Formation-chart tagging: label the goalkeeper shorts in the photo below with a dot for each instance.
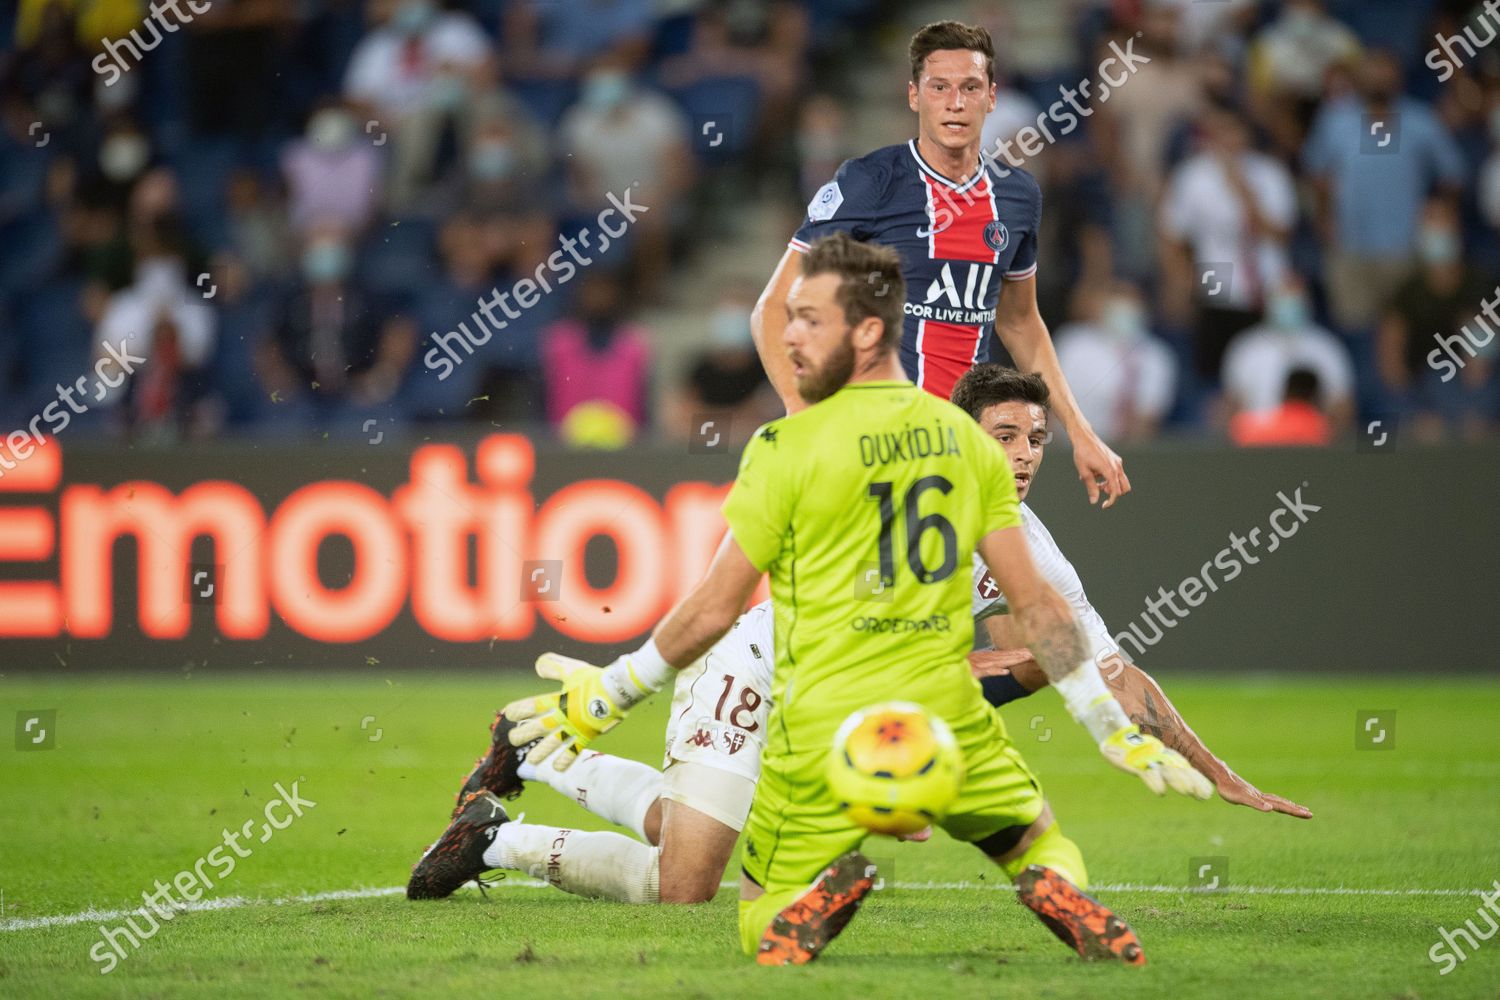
(796, 826)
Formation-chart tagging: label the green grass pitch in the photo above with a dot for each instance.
(145, 774)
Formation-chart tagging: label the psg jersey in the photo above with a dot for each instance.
(958, 242)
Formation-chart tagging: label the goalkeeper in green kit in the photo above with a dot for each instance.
(876, 475)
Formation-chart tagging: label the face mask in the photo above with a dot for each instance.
(330, 130)
(1124, 320)
(448, 91)
(729, 329)
(492, 161)
(1288, 312)
(116, 96)
(325, 262)
(606, 91)
(124, 156)
(1439, 246)
(413, 17)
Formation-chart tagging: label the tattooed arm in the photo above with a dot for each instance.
(1059, 646)
(1150, 708)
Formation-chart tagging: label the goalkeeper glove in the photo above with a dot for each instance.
(592, 702)
(1158, 766)
(1121, 741)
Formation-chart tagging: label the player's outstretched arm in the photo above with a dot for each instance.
(1059, 646)
(1150, 708)
(593, 700)
(768, 320)
(1024, 333)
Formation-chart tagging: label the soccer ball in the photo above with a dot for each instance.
(895, 768)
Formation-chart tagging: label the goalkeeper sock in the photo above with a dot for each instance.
(756, 915)
(612, 788)
(1052, 850)
(586, 863)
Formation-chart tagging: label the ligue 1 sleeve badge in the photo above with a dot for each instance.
(996, 236)
(826, 202)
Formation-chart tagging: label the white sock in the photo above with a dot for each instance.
(583, 862)
(612, 788)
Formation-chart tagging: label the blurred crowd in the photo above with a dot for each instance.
(1265, 234)
(1269, 230)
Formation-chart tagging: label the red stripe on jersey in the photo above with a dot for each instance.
(967, 214)
(947, 350)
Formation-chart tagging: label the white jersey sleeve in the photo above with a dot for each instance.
(987, 600)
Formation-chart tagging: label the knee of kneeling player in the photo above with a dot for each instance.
(697, 889)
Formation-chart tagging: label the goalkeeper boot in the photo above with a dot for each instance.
(802, 930)
(458, 855)
(1079, 921)
(498, 770)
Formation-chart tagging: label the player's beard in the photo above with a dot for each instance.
(823, 381)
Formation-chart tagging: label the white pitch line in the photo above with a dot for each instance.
(227, 903)
(92, 915)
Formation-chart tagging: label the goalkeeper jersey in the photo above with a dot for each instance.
(864, 509)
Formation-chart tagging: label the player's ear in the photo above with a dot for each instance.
(911, 94)
(868, 333)
(994, 91)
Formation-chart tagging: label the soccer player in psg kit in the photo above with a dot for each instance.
(966, 230)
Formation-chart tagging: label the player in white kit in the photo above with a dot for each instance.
(689, 814)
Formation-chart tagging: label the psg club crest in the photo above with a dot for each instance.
(996, 236)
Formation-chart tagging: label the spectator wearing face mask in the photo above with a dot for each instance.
(1125, 377)
(1374, 161)
(1260, 360)
(1440, 389)
(623, 137)
(330, 347)
(726, 385)
(125, 155)
(1298, 421)
(415, 75)
(332, 174)
(505, 169)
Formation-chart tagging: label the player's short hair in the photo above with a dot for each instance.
(982, 386)
(941, 35)
(870, 280)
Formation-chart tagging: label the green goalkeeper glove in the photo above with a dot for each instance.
(1133, 752)
(592, 701)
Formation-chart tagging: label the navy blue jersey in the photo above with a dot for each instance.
(958, 242)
